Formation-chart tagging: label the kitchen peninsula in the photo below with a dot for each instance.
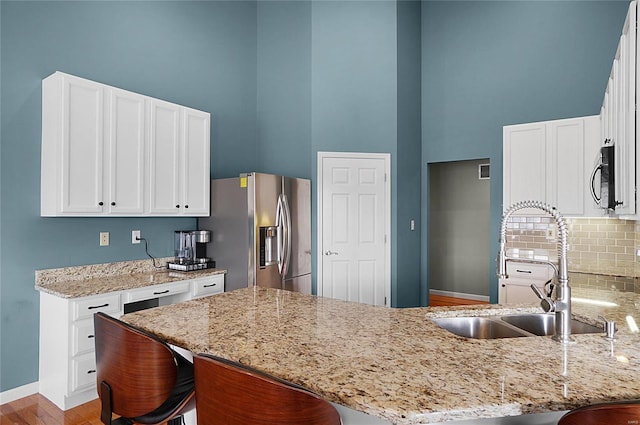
(398, 365)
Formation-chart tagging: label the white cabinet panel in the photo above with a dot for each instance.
(524, 163)
(516, 289)
(566, 156)
(83, 371)
(126, 152)
(551, 161)
(86, 307)
(157, 291)
(179, 160)
(164, 158)
(72, 146)
(107, 151)
(208, 286)
(517, 292)
(618, 117)
(83, 337)
(196, 166)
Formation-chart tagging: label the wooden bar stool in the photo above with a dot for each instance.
(228, 393)
(618, 413)
(140, 378)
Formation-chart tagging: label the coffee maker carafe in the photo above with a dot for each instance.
(190, 250)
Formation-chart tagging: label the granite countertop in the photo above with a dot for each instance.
(397, 364)
(82, 281)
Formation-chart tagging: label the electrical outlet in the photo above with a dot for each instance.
(104, 238)
(135, 236)
(551, 233)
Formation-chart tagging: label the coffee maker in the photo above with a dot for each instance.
(190, 250)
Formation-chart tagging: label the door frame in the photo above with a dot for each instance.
(387, 225)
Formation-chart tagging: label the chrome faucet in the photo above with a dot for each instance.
(561, 305)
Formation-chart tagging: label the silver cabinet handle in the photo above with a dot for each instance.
(330, 253)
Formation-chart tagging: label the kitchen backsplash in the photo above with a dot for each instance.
(601, 254)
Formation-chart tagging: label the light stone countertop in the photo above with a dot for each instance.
(397, 364)
(83, 281)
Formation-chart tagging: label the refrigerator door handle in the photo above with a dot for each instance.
(287, 240)
(280, 227)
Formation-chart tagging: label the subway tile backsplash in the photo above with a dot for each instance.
(601, 254)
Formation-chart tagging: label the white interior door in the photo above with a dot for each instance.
(353, 227)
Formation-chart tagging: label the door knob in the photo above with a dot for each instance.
(330, 253)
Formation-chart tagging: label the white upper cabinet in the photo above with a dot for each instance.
(164, 158)
(178, 160)
(551, 162)
(524, 166)
(195, 172)
(72, 146)
(126, 148)
(107, 151)
(618, 117)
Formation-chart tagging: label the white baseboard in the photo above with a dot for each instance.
(19, 392)
(459, 295)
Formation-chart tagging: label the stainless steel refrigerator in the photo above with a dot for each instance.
(261, 231)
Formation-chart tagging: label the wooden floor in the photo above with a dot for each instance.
(37, 410)
(441, 300)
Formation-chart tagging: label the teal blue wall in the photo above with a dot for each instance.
(486, 64)
(200, 54)
(406, 243)
(354, 83)
(284, 88)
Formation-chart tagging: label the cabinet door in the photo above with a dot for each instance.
(82, 147)
(196, 165)
(164, 158)
(625, 121)
(518, 292)
(524, 176)
(566, 159)
(126, 152)
(592, 142)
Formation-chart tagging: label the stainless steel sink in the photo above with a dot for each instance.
(478, 327)
(511, 326)
(544, 324)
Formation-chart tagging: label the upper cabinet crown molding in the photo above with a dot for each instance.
(111, 152)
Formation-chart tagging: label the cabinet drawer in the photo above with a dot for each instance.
(83, 337)
(83, 370)
(529, 271)
(158, 291)
(208, 286)
(85, 308)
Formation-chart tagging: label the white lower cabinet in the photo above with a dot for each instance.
(67, 359)
(175, 292)
(516, 289)
(67, 348)
(83, 372)
(206, 286)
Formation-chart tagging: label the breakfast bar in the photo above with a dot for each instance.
(397, 364)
